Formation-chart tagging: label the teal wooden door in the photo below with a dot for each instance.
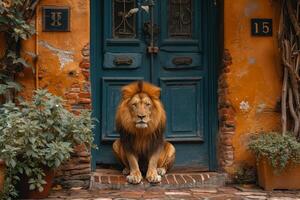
(181, 67)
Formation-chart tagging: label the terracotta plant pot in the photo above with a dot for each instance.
(289, 178)
(2, 174)
(25, 193)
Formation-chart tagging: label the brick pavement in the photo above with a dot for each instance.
(107, 184)
(156, 193)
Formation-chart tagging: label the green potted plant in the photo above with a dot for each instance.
(39, 136)
(278, 160)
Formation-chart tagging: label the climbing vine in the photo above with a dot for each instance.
(289, 43)
(15, 25)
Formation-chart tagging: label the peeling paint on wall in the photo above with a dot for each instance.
(242, 72)
(31, 54)
(64, 56)
(251, 60)
(244, 106)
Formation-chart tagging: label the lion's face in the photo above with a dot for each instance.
(140, 109)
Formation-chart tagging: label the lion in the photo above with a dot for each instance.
(141, 122)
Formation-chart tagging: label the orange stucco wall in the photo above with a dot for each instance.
(255, 74)
(58, 53)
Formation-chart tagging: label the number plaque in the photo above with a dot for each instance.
(56, 19)
(261, 27)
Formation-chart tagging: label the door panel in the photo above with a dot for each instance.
(184, 104)
(180, 68)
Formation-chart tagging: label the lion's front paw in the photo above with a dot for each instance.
(153, 177)
(134, 177)
(161, 171)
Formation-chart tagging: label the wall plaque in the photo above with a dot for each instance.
(261, 27)
(56, 19)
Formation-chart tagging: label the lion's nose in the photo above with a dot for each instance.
(141, 116)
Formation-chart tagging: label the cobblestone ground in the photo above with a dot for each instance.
(155, 193)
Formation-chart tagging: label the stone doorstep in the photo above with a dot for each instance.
(113, 179)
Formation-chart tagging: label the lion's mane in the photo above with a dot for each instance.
(141, 142)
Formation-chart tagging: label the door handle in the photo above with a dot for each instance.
(182, 60)
(123, 60)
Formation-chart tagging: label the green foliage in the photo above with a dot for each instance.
(15, 25)
(278, 149)
(13, 18)
(39, 134)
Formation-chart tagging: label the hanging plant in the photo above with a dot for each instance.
(15, 25)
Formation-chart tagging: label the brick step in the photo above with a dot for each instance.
(112, 179)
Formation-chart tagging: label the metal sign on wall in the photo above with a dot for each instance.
(56, 19)
(261, 27)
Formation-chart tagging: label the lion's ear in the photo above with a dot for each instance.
(156, 92)
(126, 92)
(152, 90)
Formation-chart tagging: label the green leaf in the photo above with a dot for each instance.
(14, 85)
(31, 180)
(41, 189)
(13, 163)
(32, 140)
(22, 61)
(31, 187)
(57, 163)
(27, 171)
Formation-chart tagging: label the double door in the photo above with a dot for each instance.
(170, 50)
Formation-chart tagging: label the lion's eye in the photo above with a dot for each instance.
(148, 104)
(134, 105)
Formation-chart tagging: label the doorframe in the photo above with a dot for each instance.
(213, 47)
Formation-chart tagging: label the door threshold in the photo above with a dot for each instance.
(113, 179)
(175, 169)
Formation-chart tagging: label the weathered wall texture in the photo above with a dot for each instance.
(61, 62)
(253, 76)
(58, 53)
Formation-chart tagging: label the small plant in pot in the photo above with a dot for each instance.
(39, 136)
(278, 159)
